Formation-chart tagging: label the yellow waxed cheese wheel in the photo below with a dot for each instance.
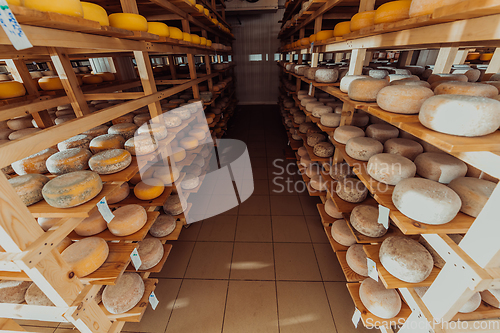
(110, 161)
(119, 194)
(105, 142)
(149, 189)
(124, 295)
(67, 7)
(158, 28)
(312, 38)
(203, 41)
(189, 143)
(94, 12)
(362, 20)
(195, 39)
(128, 21)
(72, 189)
(393, 11)
(50, 83)
(426, 7)
(29, 187)
(175, 33)
(200, 8)
(206, 12)
(11, 89)
(486, 56)
(304, 41)
(91, 225)
(209, 42)
(86, 256)
(68, 160)
(34, 163)
(128, 220)
(186, 37)
(92, 79)
(342, 28)
(15, 2)
(126, 130)
(106, 76)
(63, 245)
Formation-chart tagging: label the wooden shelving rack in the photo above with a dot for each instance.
(27, 252)
(453, 31)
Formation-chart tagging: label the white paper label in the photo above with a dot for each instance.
(288, 143)
(153, 300)
(12, 28)
(383, 216)
(312, 46)
(136, 260)
(356, 318)
(372, 269)
(103, 208)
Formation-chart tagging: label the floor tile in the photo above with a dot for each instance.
(285, 205)
(251, 307)
(303, 308)
(258, 162)
(254, 229)
(261, 187)
(290, 229)
(256, 152)
(316, 229)
(295, 262)
(259, 173)
(282, 185)
(252, 261)
(255, 205)
(199, 307)
(219, 228)
(308, 204)
(210, 260)
(328, 264)
(191, 232)
(177, 261)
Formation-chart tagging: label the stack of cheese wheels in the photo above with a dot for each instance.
(13, 291)
(366, 89)
(357, 259)
(72, 189)
(77, 141)
(163, 226)
(110, 161)
(345, 133)
(150, 251)
(126, 130)
(382, 132)
(340, 171)
(124, 295)
(383, 303)
(351, 190)
(149, 189)
(86, 256)
(362, 148)
(128, 220)
(119, 194)
(91, 225)
(34, 296)
(35, 163)
(175, 205)
(96, 131)
(342, 234)
(364, 219)
(466, 88)
(473, 192)
(404, 147)
(405, 99)
(69, 160)
(406, 259)
(390, 168)
(440, 167)
(29, 187)
(105, 142)
(441, 203)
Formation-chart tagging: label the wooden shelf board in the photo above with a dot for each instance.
(132, 199)
(158, 267)
(322, 84)
(174, 235)
(335, 246)
(350, 275)
(328, 130)
(390, 117)
(124, 175)
(459, 225)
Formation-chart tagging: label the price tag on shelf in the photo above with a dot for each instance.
(356, 317)
(310, 88)
(12, 28)
(136, 260)
(312, 46)
(383, 216)
(153, 300)
(372, 269)
(103, 208)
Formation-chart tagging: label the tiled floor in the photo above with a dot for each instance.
(265, 266)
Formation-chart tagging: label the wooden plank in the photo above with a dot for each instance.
(133, 200)
(158, 267)
(467, 9)
(349, 274)
(459, 225)
(335, 246)
(390, 117)
(362, 239)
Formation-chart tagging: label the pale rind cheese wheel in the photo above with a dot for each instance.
(175, 33)
(360, 120)
(393, 11)
(5, 133)
(110, 161)
(410, 82)
(69, 160)
(406, 259)
(128, 220)
(94, 12)
(20, 123)
(472, 74)
(124, 295)
(13, 292)
(315, 138)
(318, 183)
(357, 260)
(473, 192)
(97, 131)
(150, 251)
(351, 190)
(140, 145)
(174, 205)
(105, 142)
(178, 154)
(198, 134)
(323, 149)
(29, 187)
(440, 167)
(382, 302)
(426, 201)
(340, 171)
(492, 297)
(168, 175)
(302, 151)
(193, 169)
(364, 219)
(164, 225)
(50, 82)
(158, 28)
(435, 78)
(182, 112)
(330, 119)
(362, 20)
(326, 75)
(426, 7)
(342, 234)
(405, 99)
(466, 88)
(378, 73)
(47, 222)
(72, 189)
(345, 133)
(190, 182)
(86, 256)
(346, 81)
(11, 89)
(149, 189)
(390, 168)
(157, 131)
(312, 169)
(382, 132)
(366, 89)
(91, 225)
(34, 296)
(362, 148)
(119, 194)
(171, 120)
(67, 7)
(341, 29)
(404, 147)
(189, 143)
(128, 21)
(34, 163)
(472, 304)
(332, 210)
(126, 130)
(77, 141)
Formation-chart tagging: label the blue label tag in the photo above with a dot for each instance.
(12, 28)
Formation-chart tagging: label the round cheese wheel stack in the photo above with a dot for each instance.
(69, 160)
(366, 89)
(34, 163)
(119, 194)
(340, 171)
(440, 167)
(473, 192)
(382, 302)
(312, 169)
(86, 256)
(362, 20)
(426, 201)
(29, 187)
(342, 234)
(77, 141)
(22, 133)
(403, 99)
(140, 145)
(346, 81)
(390, 168)
(128, 220)
(332, 210)
(124, 295)
(323, 149)
(126, 130)
(345, 133)
(326, 75)
(20, 123)
(382, 132)
(174, 205)
(150, 251)
(404, 147)
(426, 7)
(317, 183)
(406, 259)
(105, 142)
(315, 138)
(302, 151)
(190, 182)
(110, 161)
(72, 189)
(357, 259)
(164, 225)
(351, 190)
(97, 131)
(364, 219)
(34, 296)
(91, 225)
(362, 148)
(126, 118)
(330, 119)
(149, 189)
(13, 292)
(492, 297)
(466, 88)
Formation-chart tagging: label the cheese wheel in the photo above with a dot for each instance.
(382, 302)
(366, 89)
(364, 219)
(199, 161)
(390, 168)
(47, 222)
(151, 252)
(492, 297)
(67, 7)
(312, 170)
(178, 154)
(97, 131)
(311, 105)
(330, 119)
(360, 120)
(34, 163)
(124, 295)
(171, 120)
(317, 183)
(345, 133)
(362, 20)
(186, 37)
(307, 99)
(168, 175)
(126, 118)
(326, 75)
(320, 110)
(435, 78)
(340, 171)
(86, 256)
(92, 79)
(34, 296)
(189, 143)
(346, 81)
(164, 225)
(193, 169)
(426, 7)
(174, 205)
(140, 145)
(351, 190)
(95, 12)
(323, 149)
(119, 194)
(63, 245)
(50, 82)
(392, 12)
(315, 138)
(77, 141)
(332, 210)
(342, 234)
(473, 75)
(439, 262)
(410, 82)
(158, 28)
(440, 167)
(466, 88)
(341, 29)
(472, 304)
(69, 160)
(11, 89)
(473, 192)
(126, 130)
(141, 119)
(378, 73)
(13, 291)
(357, 259)
(149, 189)
(91, 225)
(110, 161)
(106, 142)
(72, 189)
(302, 151)
(175, 33)
(29, 187)
(190, 182)
(20, 123)
(403, 147)
(182, 112)
(128, 220)
(405, 99)
(128, 21)
(362, 148)
(406, 259)
(382, 132)
(198, 134)
(426, 201)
